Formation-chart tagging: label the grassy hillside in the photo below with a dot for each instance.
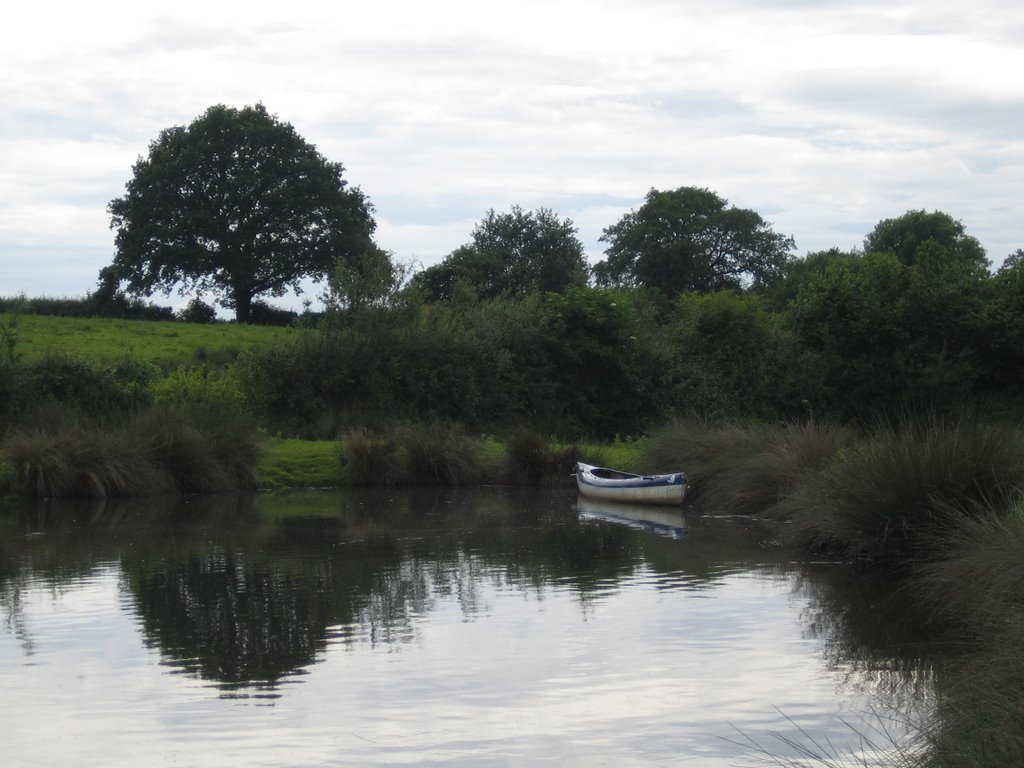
(167, 344)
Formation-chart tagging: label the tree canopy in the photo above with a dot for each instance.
(237, 204)
(691, 240)
(511, 254)
(905, 234)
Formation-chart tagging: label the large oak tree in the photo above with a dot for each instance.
(237, 204)
(691, 240)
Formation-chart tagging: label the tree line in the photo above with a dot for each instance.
(699, 309)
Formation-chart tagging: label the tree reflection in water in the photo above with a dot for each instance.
(246, 592)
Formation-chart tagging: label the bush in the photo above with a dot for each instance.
(198, 311)
(439, 454)
(157, 451)
(883, 499)
(531, 460)
(95, 389)
(261, 313)
(369, 460)
(434, 454)
(199, 389)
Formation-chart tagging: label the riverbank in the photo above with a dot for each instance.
(169, 451)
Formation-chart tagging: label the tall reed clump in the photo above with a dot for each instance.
(977, 576)
(433, 454)
(744, 468)
(368, 459)
(81, 463)
(155, 451)
(215, 453)
(530, 459)
(979, 718)
(883, 498)
(440, 454)
(977, 582)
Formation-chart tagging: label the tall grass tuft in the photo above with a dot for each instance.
(530, 459)
(371, 460)
(874, 743)
(977, 578)
(882, 499)
(695, 447)
(432, 454)
(200, 457)
(979, 722)
(157, 451)
(440, 454)
(748, 468)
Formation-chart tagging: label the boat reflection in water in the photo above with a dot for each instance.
(662, 520)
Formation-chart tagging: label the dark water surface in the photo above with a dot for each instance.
(488, 627)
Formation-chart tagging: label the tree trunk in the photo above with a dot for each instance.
(243, 306)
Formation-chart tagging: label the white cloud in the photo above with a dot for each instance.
(823, 117)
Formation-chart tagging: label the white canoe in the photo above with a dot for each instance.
(616, 485)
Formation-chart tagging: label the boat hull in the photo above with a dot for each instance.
(612, 485)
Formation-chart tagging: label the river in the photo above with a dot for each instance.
(482, 627)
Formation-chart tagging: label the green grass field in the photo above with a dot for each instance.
(167, 344)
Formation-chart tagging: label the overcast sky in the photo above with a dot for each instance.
(824, 117)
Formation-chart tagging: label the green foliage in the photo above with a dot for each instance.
(979, 720)
(156, 451)
(439, 454)
(200, 390)
(977, 577)
(885, 334)
(883, 499)
(371, 460)
(96, 389)
(839, 336)
(236, 204)
(600, 381)
(904, 236)
(198, 311)
(511, 254)
(726, 355)
(12, 389)
(690, 239)
(797, 273)
(95, 304)
(370, 280)
(433, 454)
(743, 467)
(531, 459)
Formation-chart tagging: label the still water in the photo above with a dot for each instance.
(488, 627)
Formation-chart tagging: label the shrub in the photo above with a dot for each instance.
(261, 313)
(439, 454)
(883, 499)
(433, 454)
(79, 463)
(369, 460)
(95, 389)
(978, 575)
(531, 460)
(157, 451)
(198, 311)
(198, 388)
